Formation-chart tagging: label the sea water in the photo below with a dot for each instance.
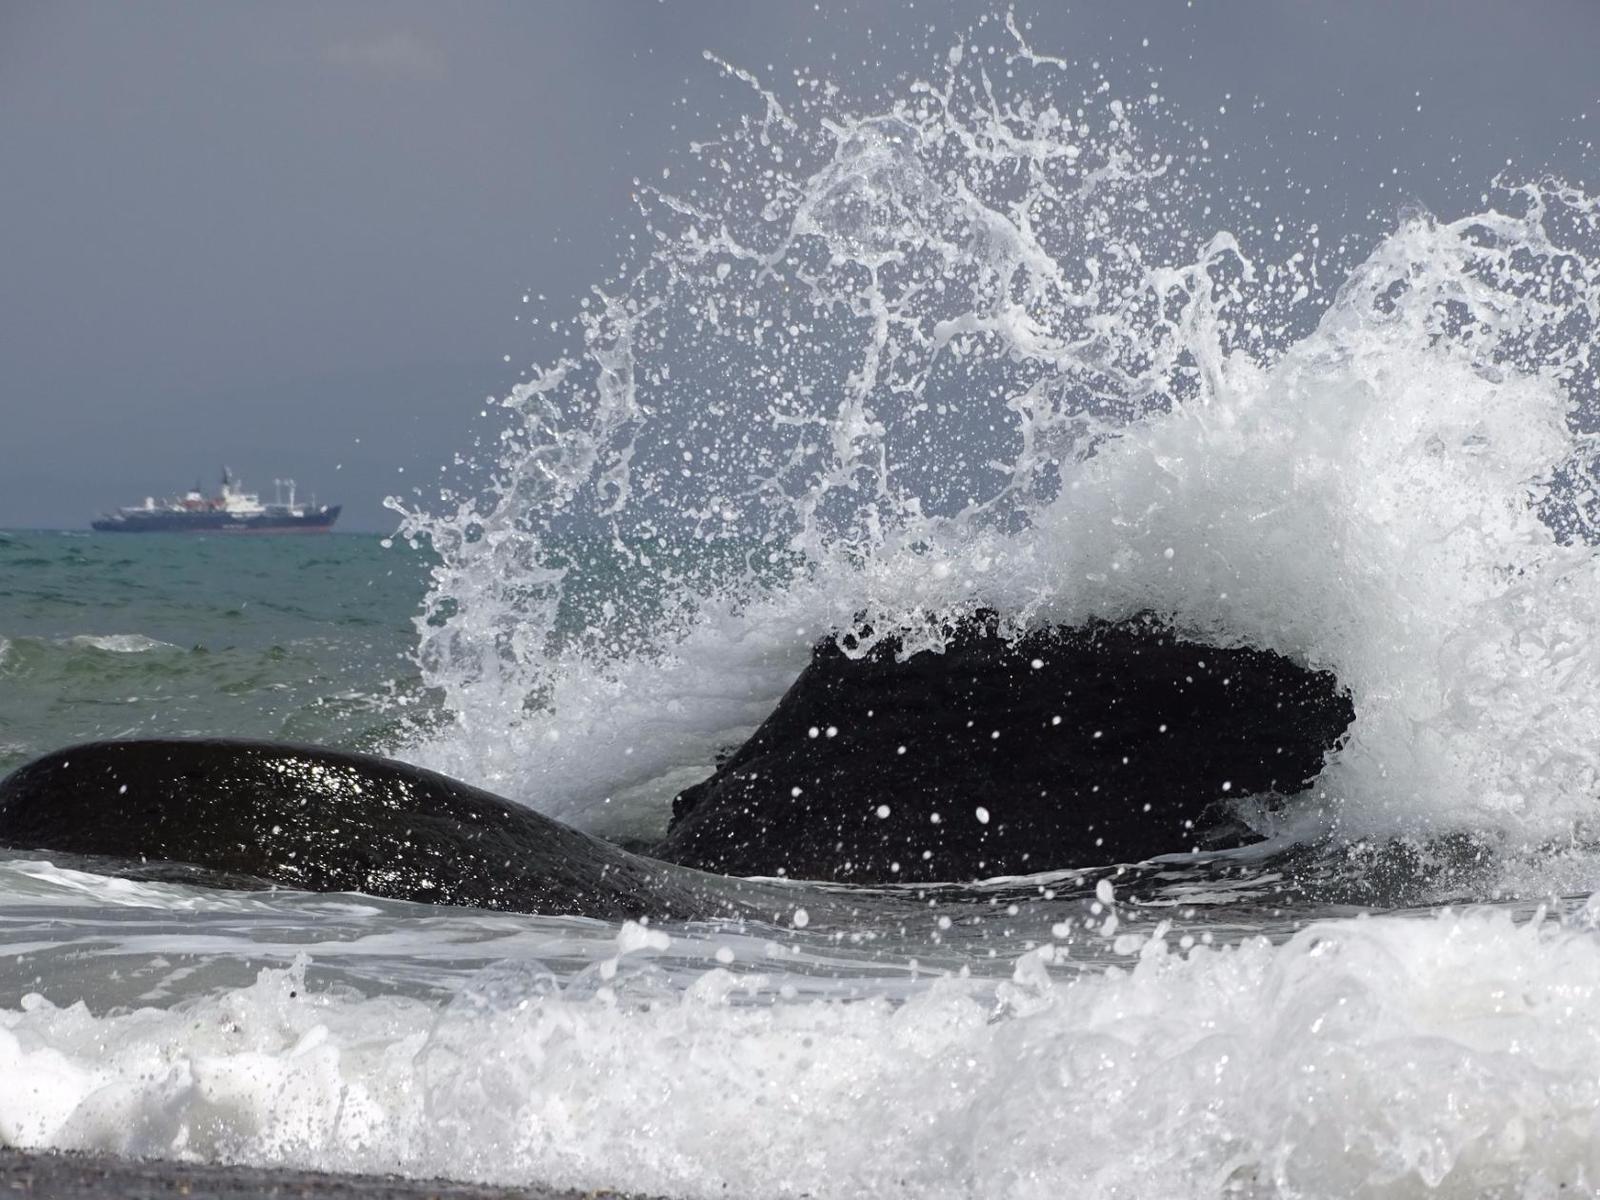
(1007, 341)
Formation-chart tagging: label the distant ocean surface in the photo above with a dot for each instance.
(126, 635)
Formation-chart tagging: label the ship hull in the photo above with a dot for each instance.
(217, 522)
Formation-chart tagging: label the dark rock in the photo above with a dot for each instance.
(71, 1175)
(330, 821)
(1068, 747)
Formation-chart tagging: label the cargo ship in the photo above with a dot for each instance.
(231, 510)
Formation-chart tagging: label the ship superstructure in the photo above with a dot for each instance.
(231, 510)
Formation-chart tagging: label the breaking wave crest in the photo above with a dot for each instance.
(992, 346)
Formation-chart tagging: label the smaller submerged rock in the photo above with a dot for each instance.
(1067, 747)
(332, 821)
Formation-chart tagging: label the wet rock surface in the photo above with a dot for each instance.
(66, 1176)
(1067, 747)
(331, 821)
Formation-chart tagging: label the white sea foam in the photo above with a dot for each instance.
(119, 643)
(1453, 1056)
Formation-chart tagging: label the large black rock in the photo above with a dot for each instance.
(331, 821)
(1068, 747)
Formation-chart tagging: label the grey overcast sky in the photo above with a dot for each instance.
(293, 237)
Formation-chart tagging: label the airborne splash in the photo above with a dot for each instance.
(989, 348)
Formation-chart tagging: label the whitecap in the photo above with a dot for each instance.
(119, 643)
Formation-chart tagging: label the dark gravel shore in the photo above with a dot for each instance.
(96, 1177)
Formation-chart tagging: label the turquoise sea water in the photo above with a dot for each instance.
(106, 635)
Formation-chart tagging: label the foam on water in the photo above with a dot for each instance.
(1446, 1056)
(120, 643)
